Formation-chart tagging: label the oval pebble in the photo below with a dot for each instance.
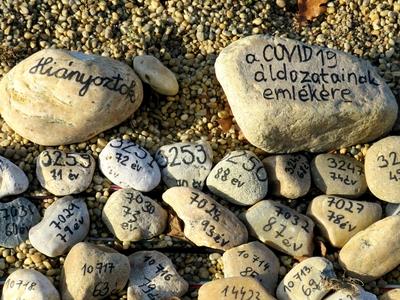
(129, 165)
(131, 216)
(185, 164)
(354, 292)
(340, 175)
(239, 177)
(13, 179)
(280, 227)
(64, 173)
(339, 219)
(207, 223)
(391, 295)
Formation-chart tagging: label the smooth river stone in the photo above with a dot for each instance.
(233, 288)
(64, 173)
(28, 285)
(57, 97)
(382, 169)
(207, 223)
(131, 216)
(93, 272)
(339, 219)
(13, 180)
(355, 292)
(391, 295)
(373, 252)
(129, 165)
(155, 74)
(340, 175)
(239, 177)
(287, 96)
(253, 259)
(65, 223)
(185, 164)
(392, 209)
(153, 276)
(288, 175)
(307, 280)
(280, 227)
(16, 218)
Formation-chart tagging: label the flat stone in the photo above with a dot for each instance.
(155, 74)
(340, 175)
(131, 216)
(28, 284)
(232, 288)
(354, 292)
(288, 175)
(57, 97)
(207, 223)
(16, 218)
(129, 165)
(153, 276)
(239, 177)
(373, 252)
(392, 209)
(185, 164)
(391, 295)
(64, 173)
(280, 227)
(339, 219)
(93, 272)
(382, 169)
(287, 96)
(307, 280)
(255, 260)
(65, 223)
(13, 180)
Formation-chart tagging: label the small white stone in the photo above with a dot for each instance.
(129, 165)
(13, 179)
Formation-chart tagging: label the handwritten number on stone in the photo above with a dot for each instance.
(200, 149)
(118, 143)
(57, 161)
(72, 157)
(385, 163)
(49, 161)
(183, 149)
(173, 162)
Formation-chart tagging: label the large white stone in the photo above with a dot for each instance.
(13, 180)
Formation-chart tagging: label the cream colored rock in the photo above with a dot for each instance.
(373, 252)
(57, 97)
(233, 288)
(153, 276)
(13, 180)
(207, 223)
(354, 292)
(287, 96)
(154, 73)
(131, 216)
(280, 227)
(64, 173)
(391, 295)
(288, 175)
(25, 284)
(307, 280)
(339, 219)
(93, 272)
(253, 259)
(382, 169)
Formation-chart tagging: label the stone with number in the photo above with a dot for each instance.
(129, 165)
(288, 175)
(207, 223)
(373, 252)
(234, 288)
(287, 96)
(65, 223)
(64, 173)
(339, 219)
(28, 284)
(392, 209)
(131, 216)
(391, 295)
(153, 276)
(185, 164)
(16, 218)
(239, 177)
(93, 272)
(309, 280)
(340, 175)
(280, 227)
(353, 292)
(382, 169)
(13, 180)
(252, 259)
(57, 97)
(154, 73)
